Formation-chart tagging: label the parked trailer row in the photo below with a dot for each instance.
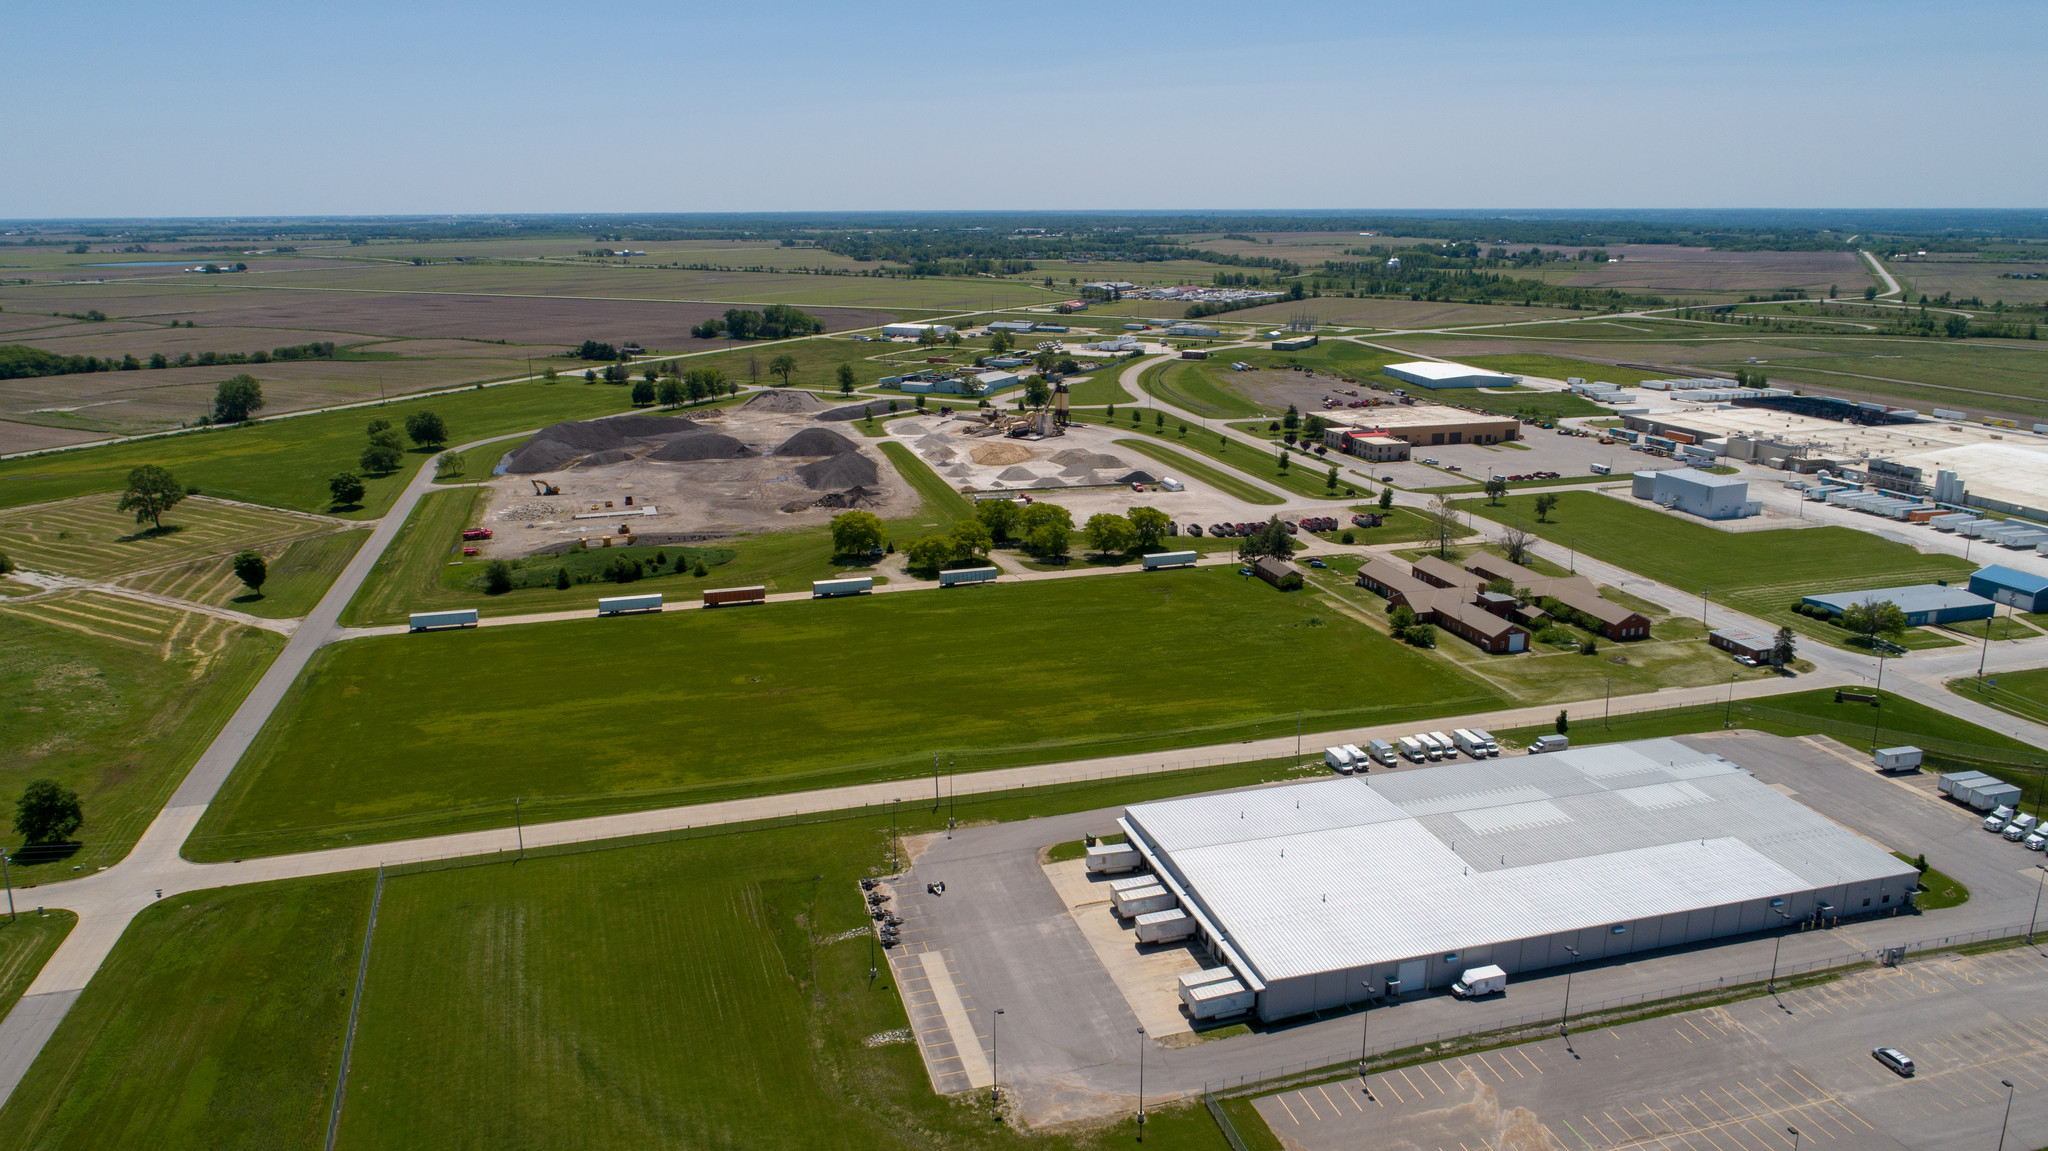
(615, 605)
(967, 575)
(1165, 926)
(1110, 858)
(1142, 901)
(1978, 790)
(850, 585)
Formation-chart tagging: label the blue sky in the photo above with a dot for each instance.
(371, 107)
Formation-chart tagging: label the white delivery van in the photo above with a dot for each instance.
(1358, 760)
(1479, 981)
(1337, 759)
(1469, 743)
(1486, 737)
(1413, 749)
(1381, 750)
(1444, 741)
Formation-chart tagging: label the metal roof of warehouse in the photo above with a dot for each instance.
(1370, 870)
(1911, 600)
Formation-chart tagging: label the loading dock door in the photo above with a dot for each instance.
(1411, 975)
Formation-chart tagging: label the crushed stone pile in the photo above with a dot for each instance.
(701, 446)
(607, 456)
(847, 470)
(854, 497)
(535, 510)
(783, 401)
(558, 445)
(1078, 471)
(854, 411)
(1000, 454)
(1138, 478)
(1018, 474)
(1081, 457)
(815, 442)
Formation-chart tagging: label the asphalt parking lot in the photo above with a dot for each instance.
(1068, 1038)
(1728, 1078)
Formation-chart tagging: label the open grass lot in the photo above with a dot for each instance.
(1390, 313)
(216, 1023)
(780, 697)
(1191, 386)
(1760, 573)
(26, 943)
(1223, 481)
(1964, 275)
(287, 463)
(299, 574)
(115, 699)
(2023, 693)
(1305, 474)
(87, 537)
(705, 991)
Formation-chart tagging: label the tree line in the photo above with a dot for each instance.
(775, 322)
(19, 361)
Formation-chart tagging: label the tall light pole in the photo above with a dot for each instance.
(1565, 1019)
(1794, 1133)
(519, 827)
(1878, 709)
(1728, 715)
(1365, 1035)
(1705, 590)
(994, 1066)
(2031, 919)
(935, 781)
(4, 873)
(1772, 986)
(1141, 1084)
(2007, 1121)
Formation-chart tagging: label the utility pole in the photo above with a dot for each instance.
(1564, 1021)
(1728, 714)
(519, 827)
(2031, 919)
(1879, 708)
(10, 885)
(1365, 1036)
(2007, 1121)
(995, 1081)
(935, 781)
(1297, 746)
(1772, 986)
(1705, 590)
(1609, 713)
(1141, 1084)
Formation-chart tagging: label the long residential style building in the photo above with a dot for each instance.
(1455, 598)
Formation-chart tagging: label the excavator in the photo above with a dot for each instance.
(544, 489)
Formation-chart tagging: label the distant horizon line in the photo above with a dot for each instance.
(1521, 213)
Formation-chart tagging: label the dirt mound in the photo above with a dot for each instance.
(1138, 478)
(815, 442)
(701, 446)
(853, 411)
(939, 455)
(1081, 457)
(600, 459)
(854, 497)
(996, 455)
(850, 470)
(1018, 474)
(559, 444)
(783, 402)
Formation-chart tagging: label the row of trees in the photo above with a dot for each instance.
(19, 361)
(776, 322)
(1041, 529)
(386, 452)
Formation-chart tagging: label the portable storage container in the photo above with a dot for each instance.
(1206, 977)
(1219, 1000)
(1142, 901)
(1165, 926)
(1169, 560)
(1898, 758)
(967, 575)
(723, 596)
(422, 620)
(613, 605)
(850, 585)
(1111, 858)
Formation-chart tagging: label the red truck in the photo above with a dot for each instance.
(476, 534)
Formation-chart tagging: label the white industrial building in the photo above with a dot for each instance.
(1433, 374)
(1318, 894)
(913, 331)
(1707, 496)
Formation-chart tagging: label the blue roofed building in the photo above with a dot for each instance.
(2025, 591)
(1928, 603)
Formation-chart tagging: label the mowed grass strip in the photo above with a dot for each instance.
(1760, 573)
(300, 572)
(216, 1023)
(88, 537)
(2022, 693)
(1217, 478)
(286, 463)
(401, 735)
(115, 699)
(26, 943)
(1305, 474)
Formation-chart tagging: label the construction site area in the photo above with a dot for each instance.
(769, 464)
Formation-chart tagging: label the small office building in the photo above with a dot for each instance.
(1699, 493)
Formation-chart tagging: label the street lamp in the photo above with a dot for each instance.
(994, 1087)
(2031, 919)
(1772, 986)
(2003, 1123)
(1794, 1133)
(1728, 714)
(1566, 1017)
(1141, 1084)
(1365, 1034)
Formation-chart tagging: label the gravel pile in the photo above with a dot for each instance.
(1081, 457)
(783, 402)
(1018, 474)
(537, 510)
(1138, 478)
(701, 446)
(854, 411)
(559, 445)
(815, 442)
(833, 473)
(600, 459)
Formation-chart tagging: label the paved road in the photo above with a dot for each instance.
(107, 901)
(1891, 286)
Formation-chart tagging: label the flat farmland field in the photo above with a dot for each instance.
(765, 687)
(1396, 313)
(1966, 276)
(88, 537)
(115, 698)
(1668, 268)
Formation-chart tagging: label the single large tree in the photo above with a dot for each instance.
(1516, 540)
(1874, 618)
(47, 812)
(236, 399)
(346, 488)
(1443, 523)
(999, 516)
(1784, 648)
(1544, 503)
(426, 429)
(152, 491)
(783, 365)
(970, 539)
(251, 570)
(382, 459)
(1148, 526)
(856, 533)
(1496, 487)
(1109, 534)
(845, 377)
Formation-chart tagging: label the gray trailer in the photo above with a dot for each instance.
(959, 576)
(848, 585)
(1897, 758)
(1142, 901)
(422, 620)
(1165, 926)
(1110, 858)
(1219, 1000)
(1169, 560)
(1980, 791)
(613, 605)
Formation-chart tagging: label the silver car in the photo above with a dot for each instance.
(1895, 1059)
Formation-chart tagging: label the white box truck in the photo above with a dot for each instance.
(1469, 742)
(1549, 743)
(1165, 926)
(1492, 745)
(1898, 758)
(1413, 749)
(1479, 981)
(1358, 760)
(615, 605)
(1382, 751)
(1444, 744)
(1338, 760)
(1219, 1000)
(1142, 901)
(1110, 858)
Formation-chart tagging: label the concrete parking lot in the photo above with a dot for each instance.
(1735, 1077)
(1541, 450)
(1069, 1037)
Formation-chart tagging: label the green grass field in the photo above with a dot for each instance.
(26, 943)
(1186, 384)
(702, 991)
(300, 573)
(1305, 474)
(2022, 693)
(1229, 483)
(87, 537)
(1560, 368)
(287, 462)
(1760, 573)
(115, 699)
(692, 706)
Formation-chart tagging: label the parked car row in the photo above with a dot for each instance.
(2025, 830)
(1533, 476)
(1319, 523)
